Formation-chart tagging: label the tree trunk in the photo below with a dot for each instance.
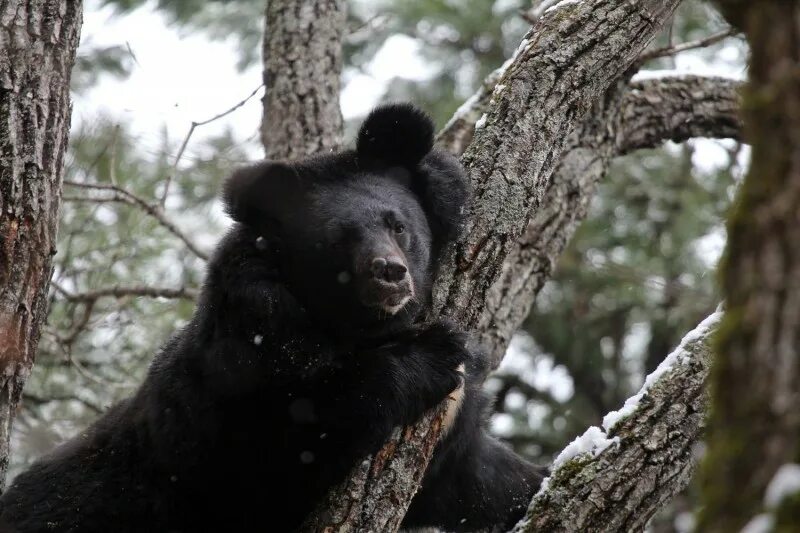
(37, 49)
(755, 428)
(617, 477)
(302, 67)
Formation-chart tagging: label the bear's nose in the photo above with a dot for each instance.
(390, 269)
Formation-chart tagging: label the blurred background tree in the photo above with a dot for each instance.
(637, 276)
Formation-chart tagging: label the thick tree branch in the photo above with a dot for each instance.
(460, 129)
(530, 263)
(676, 109)
(617, 477)
(567, 62)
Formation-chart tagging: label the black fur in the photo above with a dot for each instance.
(395, 135)
(292, 370)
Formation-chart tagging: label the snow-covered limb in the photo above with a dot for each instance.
(537, 9)
(678, 356)
(615, 481)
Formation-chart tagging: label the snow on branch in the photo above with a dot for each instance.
(616, 477)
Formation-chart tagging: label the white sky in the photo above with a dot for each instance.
(177, 79)
(180, 77)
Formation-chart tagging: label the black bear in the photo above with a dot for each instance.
(309, 344)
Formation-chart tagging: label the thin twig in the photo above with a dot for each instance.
(690, 45)
(671, 33)
(76, 329)
(118, 194)
(97, 378)
(66, 344)
(30, 398)
(112, 161)
(366, 26)
(185, 142)
(130, 51)
(122, 292)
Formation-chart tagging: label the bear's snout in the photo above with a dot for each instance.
(390, 269)
(386, 283)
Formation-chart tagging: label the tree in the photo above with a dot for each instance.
(555, 117)
(39, 43)
(755, 423)
(510, 160)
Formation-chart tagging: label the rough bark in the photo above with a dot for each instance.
(677, 109)
(631, 116)
(302, 66)
(457, 134)
(375, 498)
(568, 60)
(531, 261)
(566, 63)
(650, 455)
(755, 426)
(37, 49)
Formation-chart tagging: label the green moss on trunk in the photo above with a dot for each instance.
(748, 438)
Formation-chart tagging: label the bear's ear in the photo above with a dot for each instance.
(266, 191)
(395, 135)
(443, 188)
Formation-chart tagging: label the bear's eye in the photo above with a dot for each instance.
(399, 227)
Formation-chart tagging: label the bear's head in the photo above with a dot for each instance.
(359, 233)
